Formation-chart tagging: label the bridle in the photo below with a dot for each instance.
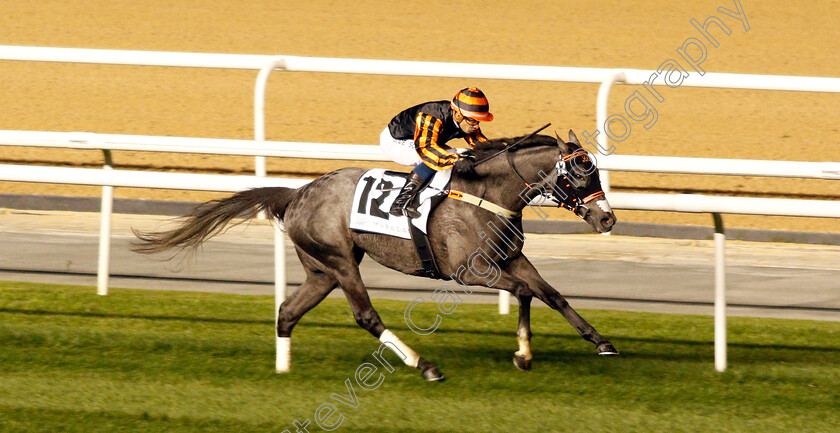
(562, 169)
(578, 207)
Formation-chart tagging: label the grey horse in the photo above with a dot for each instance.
(473, 245)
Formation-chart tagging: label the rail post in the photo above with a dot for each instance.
(720, 294)
(105, 212)
(504, 302)
(259, 108)
(282, 360)
(283, 345)
(601, 120)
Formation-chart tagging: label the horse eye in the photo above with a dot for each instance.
(584, 164)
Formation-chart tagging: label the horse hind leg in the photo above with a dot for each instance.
(366, 316)
(316, 287)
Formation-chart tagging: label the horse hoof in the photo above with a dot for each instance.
(606, 349)
(429, 371)
(432, 374)
(521, 363)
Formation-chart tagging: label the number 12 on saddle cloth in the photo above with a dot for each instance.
(376, 191)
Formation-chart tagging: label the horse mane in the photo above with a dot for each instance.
(486, 148)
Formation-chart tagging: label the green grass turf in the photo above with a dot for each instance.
(146, 361)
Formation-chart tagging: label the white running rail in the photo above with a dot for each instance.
(267, 63)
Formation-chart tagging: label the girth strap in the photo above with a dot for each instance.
(484, 204)
(424, 251)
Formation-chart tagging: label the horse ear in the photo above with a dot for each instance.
(573, 138)
(564, 147)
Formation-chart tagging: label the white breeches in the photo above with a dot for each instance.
(399, 151)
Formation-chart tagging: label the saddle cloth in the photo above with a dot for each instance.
(376, 191)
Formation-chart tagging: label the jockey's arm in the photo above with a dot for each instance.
(426, 136)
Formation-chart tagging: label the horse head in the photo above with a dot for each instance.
(577, 185)
(554, 169)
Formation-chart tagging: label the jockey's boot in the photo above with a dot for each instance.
(405, 204)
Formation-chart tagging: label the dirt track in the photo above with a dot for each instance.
(797, 38)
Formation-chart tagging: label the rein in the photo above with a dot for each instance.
(492, 207)
(513, 146)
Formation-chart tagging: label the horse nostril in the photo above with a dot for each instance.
(607, 222)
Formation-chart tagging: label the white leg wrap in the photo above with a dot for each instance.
(284, 354)
(411, 357)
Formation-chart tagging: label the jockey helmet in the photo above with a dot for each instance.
(472, 103)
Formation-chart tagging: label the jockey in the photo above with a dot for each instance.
(418, 137)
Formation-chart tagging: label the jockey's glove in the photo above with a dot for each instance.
(465, 165)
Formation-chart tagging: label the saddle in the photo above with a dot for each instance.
(376, 191)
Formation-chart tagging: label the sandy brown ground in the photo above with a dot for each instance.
(788, 38)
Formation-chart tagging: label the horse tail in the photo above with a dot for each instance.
(211, 218)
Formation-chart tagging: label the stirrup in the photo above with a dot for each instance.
(410, 210)
(405, 210)
(397, 209)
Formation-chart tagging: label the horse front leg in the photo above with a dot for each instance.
(521, 268)
(522, 358)
(519, 288)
